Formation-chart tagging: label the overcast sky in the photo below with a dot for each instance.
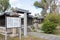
(26, 4)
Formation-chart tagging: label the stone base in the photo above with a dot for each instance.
(13, 35)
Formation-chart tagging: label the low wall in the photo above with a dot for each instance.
(2, 30)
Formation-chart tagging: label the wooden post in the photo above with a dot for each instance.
(5, 33)
(25, 24)
(5, 28)
(13, 32)
(20, 30)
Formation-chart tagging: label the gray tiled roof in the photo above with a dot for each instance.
(16, 10)
(22, 10)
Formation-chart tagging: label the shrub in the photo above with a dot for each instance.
(32, 27)
(49, 27)
(53, 17)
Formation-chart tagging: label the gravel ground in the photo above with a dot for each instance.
(45, 36)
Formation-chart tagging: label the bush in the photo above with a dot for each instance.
(33, 27)
(53, 17)
(49, 27)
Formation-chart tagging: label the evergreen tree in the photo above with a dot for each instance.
(4, 5)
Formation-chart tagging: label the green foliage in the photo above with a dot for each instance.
(37, 4)
(4, 4)
(34, 30)
(44, 4)
(49, 27)
(32, 27)
(53, 17)
(50, 22)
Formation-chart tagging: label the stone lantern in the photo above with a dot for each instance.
(35, 22)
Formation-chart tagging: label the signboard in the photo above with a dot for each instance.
(13, 22)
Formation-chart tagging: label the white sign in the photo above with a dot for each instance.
(13, 22)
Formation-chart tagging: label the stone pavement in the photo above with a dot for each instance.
(46, 36)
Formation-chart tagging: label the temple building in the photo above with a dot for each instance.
(16, 13)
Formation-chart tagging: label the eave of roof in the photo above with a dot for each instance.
(22, 11)
(17, 10)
